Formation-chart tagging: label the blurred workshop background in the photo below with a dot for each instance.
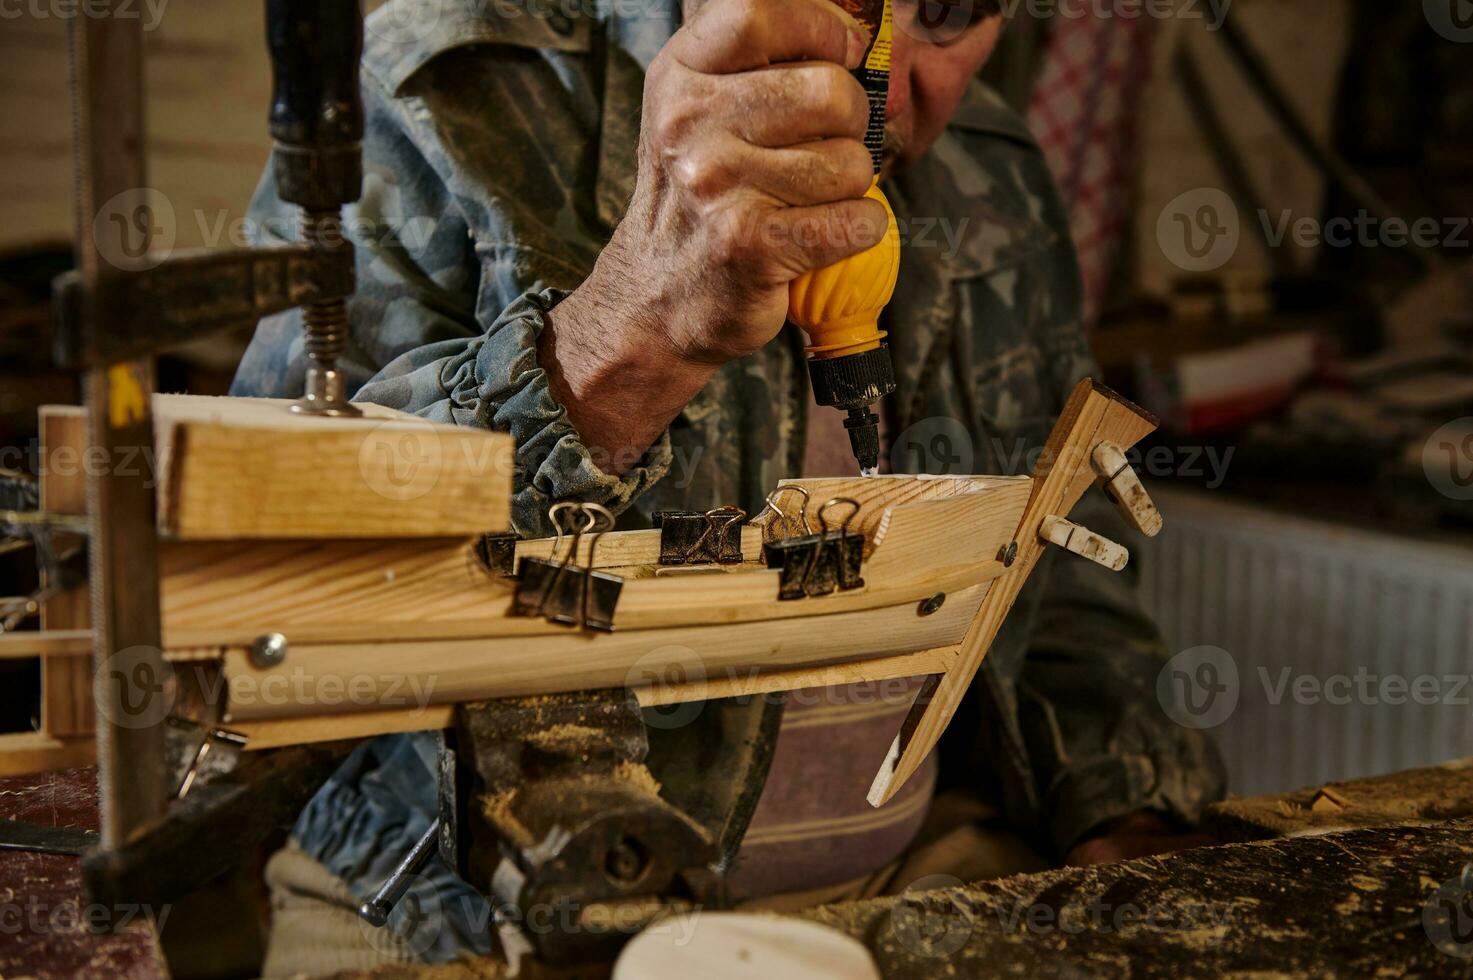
(1271, 200)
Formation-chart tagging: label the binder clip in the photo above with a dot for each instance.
(818, 564)
(560, 590)
(689, 537)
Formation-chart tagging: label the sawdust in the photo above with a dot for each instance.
(565, 732)
(497, 808)
(638, 774)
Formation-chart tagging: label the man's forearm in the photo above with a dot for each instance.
(621, 387)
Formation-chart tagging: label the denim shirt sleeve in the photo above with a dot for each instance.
(452, 293)
(493, 380)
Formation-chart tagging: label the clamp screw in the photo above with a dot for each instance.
(928, 606)
(626, 861)
(1008, 555)
(268, 650)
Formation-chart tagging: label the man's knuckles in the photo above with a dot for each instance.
(708, 172)
(835, 96)
(736, 35)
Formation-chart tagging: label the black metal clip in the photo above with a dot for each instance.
(496, 553)
(689, 537)
(561, 591)
(817, 564)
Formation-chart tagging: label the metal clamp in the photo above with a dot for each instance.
(778, 514)
(818, 564)
(689, 537)
(585, 598)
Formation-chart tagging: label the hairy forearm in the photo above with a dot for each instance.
(621, 382)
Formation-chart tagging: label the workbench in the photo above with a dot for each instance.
(43, 928)
(1319, 902)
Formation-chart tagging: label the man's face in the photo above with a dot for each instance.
(938, 46)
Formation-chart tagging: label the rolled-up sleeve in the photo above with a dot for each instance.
(495, 381)
(450, 300)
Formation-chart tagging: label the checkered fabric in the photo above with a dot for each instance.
(1084, 113)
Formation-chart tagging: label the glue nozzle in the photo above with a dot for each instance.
(864, 439)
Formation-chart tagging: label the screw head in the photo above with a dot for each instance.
(1008, 555)
(928, 606)
(268, 650)
(626, 861)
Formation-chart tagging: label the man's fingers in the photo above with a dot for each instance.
(739, 35)
(793, 103)
(798, 240)
(822, 172)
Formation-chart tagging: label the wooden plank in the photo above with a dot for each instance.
(227, 594)
(248, 468)
(621, 548)
(1092, 415)
(47, 644)
(278, 732)
(343, 677)
(27, 752)
(66, 682)
(738, 683)
(876, 494)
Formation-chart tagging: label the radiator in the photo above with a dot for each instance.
(1313, 614)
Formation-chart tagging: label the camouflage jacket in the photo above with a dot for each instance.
(501, 153)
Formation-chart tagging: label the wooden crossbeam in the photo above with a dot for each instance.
(248, 468)
(1092, 415)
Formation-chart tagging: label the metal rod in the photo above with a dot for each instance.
(107, 94)
(376, 910)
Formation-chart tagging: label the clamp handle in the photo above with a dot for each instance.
(316, 115)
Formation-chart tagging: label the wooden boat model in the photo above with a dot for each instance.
(336, 590)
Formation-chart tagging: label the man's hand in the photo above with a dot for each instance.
(1134, 835)
(752, 171)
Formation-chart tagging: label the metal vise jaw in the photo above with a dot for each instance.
(547, 807)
